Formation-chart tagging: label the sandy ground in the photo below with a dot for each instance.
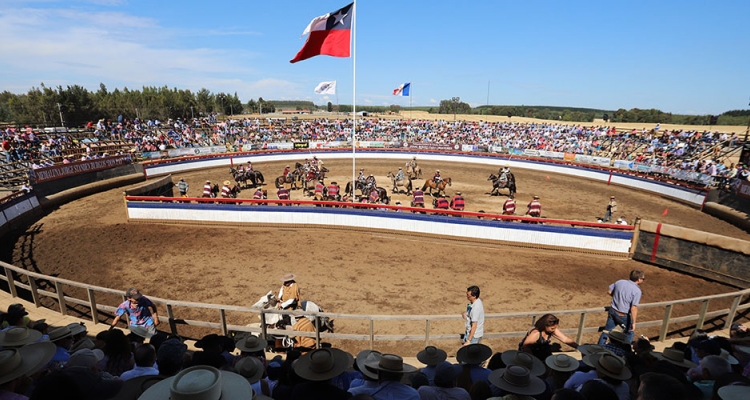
(90, 240)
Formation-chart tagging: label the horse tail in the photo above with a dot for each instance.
(280, 182)
(259, 175)
(424, 187)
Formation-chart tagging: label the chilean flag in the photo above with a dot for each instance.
(330, 35)
(402, 90)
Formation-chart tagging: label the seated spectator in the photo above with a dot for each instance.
(145, 361)
(118, 354)
(391, 370)
(63, 339)
(617, 343)
(16, 365)
(655, 386)
(201, 382)
(431, 356)
(317, 368)
(369, 379)
(17, 316)
(471, 357)
(598, 390)
(712, 367)
(517, 382)
(561, 367)
(445, 384)
(252, 369)
(15, 337)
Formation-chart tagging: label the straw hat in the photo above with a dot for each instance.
(200, 383)
(19, 336)
(322, 364)
(26, 360)
(251, 343)
(674, 356)
(473, 354)
(363, 358)
(251, 368)
(431, 355)
(610, 365)
(517, 380)
(227, 183)
(86, 358)
(562, 362)
(77, 328)
(390, 363)
(515, 357)
(59, 333)
(617, 336)
(288, 277)
(734, 392)
(732, 360)
(589, 349)
(82, 344)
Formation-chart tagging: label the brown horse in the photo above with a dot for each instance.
(440, 186)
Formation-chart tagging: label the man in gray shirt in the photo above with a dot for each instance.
(474, 316)
(623, 312)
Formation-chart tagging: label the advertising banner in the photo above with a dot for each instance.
(280, 146)
(496, 149)
(556, 155)
(153, 155)
(432, 146)
(327, 145)
(469, 147)
(602, 161)
(79, 167)
(370, 145)
(623, 164)
(196, 151)
(531, 153)
(569, 157)
(301, 145)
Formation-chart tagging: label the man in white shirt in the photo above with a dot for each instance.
(474, 316)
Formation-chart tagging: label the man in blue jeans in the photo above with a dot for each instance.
(623, 312)
(474, 316)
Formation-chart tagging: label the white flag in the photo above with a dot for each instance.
(326, 88)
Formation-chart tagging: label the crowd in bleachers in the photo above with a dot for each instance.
(694, 151)
(38, 361)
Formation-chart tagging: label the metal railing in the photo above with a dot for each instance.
(697, 317)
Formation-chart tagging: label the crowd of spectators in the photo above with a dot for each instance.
(693, 151)
(38, 361)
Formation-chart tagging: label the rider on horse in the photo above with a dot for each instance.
(371, 182)
(287, 170)
(249, 167)
(413, 163)
(399, 175)
(436, 178)
(316, 163)
(207, 189)
(361, 177)
(503, 173)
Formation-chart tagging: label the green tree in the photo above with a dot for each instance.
(329, 107)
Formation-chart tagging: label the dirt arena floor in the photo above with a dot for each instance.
(91, 241)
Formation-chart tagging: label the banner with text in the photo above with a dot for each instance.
(196, 151)
(431, 146)
(79, 167)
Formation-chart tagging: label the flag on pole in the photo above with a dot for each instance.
(402, 90)
(326, 88)
(329, 35)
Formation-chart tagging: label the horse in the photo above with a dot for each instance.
(215, 190)
(359, 185)
(440, 186)
(499, 183)
(256, 177)
(292, 178)
(413, 171)
(406, 183)
(279, 321)
(238, 176)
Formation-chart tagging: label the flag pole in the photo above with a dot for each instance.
(354, 97)
(410, 102)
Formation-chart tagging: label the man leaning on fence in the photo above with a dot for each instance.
(623, 311)
(141, 313)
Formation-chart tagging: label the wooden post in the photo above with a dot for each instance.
(581, 325)
(732, 312)
(172, 324)
(702, 315)
(317, 332)
(11, 282)
(61, 298)
(223, 316)
(372, 335)
(427, 333)
(263, 328)
(34, 292)
(92, 304)
(665, 323)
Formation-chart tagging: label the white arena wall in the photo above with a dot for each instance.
(683, 194)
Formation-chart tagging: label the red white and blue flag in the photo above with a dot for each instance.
(402, 90)
(329, 35)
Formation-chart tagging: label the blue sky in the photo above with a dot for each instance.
(689, 57)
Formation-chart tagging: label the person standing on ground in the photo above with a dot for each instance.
(623, 312)
(183, 187)
(509, 207)
(534, 209)
(474, 316)
(611, 209)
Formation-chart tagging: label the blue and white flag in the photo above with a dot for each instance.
(326, 88)
(402, 90)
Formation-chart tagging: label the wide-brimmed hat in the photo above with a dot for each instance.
(19, 336)
(251, 343)
(59, 333)
(24, 360)
(734, 392)
(199, 383)
(589, 349)
(725, 355)
(77, 328)
(562, 362)
(517, 380)
(363, 358)
(617, 336)
(86, 358)
(610, 365)
(288, 277)
(322, 364)
(674, 356)
(251, 368)
(82, 344)
(515, 357)
(431, 355)
(474, 353)
(227, 183)
(210, 340)
(390, 363)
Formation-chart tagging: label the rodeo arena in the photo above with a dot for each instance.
(403, 259)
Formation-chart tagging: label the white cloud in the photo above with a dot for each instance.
(433, 101)
(368, 101)
(326, 98)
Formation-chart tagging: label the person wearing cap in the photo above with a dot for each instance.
(431, 356)
(369, 379)
(182, 187)
(226, 190)
(391, 369)
(457, 202)
(444, 386)
(141, 313)
(623, 311)
(534, 208)
(17, 316)
(509, 206)
(207, 190)
(611, 209)
(318, 368)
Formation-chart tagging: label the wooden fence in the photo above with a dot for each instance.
(19, 278)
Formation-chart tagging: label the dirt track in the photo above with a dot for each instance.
(90, 240)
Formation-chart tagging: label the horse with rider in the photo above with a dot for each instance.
(399, 180)
(437, 183)
(504, 179)
(413, 171)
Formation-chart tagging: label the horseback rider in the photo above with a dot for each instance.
(503, 173)
(534, 208)
(399, 175)
(509, 207)
(240, 170)
(258, 195)
(249, 167)
(290, 297)
(333, 191)
(436, 178)
(316, 163)
(418, 198)
(226, 191)
(319, 190)
(374, 195)
(457, 202)
(371, 182)
(207, 189)
(413, 163)
(287, 170)
(441, 203)
(361, 177)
